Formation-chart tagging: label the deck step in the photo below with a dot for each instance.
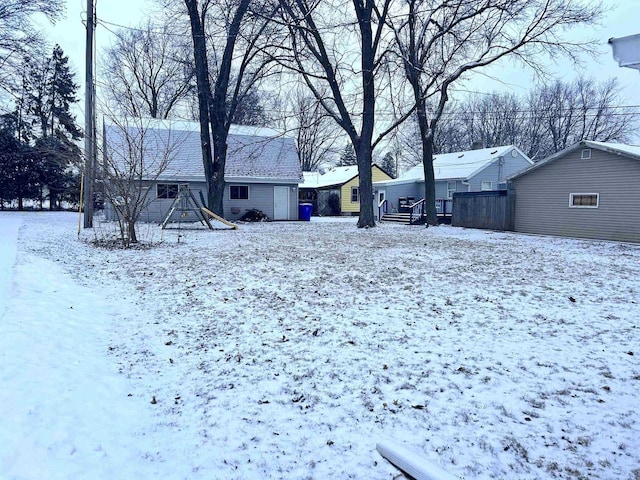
(396, 218)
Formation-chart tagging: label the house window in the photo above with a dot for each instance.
(486, 185)
(239, 192)
(451, 189)
(586, 154)
(167, 190)
(354, 195)
(584, 200)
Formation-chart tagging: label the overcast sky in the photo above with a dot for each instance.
(622, 20)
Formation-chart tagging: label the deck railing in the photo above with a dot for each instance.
(382, 209)
(444, 206)
(416, 210)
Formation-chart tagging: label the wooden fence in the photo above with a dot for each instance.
(494, 210)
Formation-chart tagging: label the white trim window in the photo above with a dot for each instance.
(167, 190)
(238, 192)
(355, 195)
(586, 154)
(584, 200)
(451, 189)
(486, 185)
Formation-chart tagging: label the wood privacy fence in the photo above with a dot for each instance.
(493, 210)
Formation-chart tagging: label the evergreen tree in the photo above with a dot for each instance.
(49, 92)
(348, 156)
(9, 148)
(388, 164)
(53, 171)
(19, 174)
(63, 95)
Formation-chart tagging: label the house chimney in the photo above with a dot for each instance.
(477, 145)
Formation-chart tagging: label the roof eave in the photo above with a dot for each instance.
(575, 146)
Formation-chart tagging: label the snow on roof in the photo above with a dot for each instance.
(457, 165)
(253, 152)
(633, 150)
(310, 179)
(626, 51)
(334, 176)
(617, 148)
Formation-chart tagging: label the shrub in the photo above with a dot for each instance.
(334, 204)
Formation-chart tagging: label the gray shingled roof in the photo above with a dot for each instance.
(253, 153)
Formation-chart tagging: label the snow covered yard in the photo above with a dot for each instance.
(286, 350)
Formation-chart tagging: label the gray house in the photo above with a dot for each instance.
(588, 190)
(484, 169)
(262, 169)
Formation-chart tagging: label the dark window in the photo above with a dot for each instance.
(239, 192)
(354, 194)
(587, 200)
(167, 190)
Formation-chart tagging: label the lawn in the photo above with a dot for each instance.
(286, 350)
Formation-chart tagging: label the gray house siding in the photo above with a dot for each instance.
(514, 165)
(260, 198)
(157, 208)
(394, 192)
(497, 171)
(542, 197)
(261, 158)
(442, 188)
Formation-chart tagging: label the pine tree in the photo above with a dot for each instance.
(49, 93)
(348, 156)
(388, 164)
(63, 95)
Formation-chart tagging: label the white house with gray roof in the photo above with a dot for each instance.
(262, 170)
(471, 171)
(589, 190)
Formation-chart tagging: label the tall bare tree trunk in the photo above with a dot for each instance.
(204, 94)
(214, 107)
(426, 137)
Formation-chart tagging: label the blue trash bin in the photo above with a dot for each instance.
(304, 211)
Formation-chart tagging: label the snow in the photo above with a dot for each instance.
(633, 150)
(288, 350)
(626, 51)
(456, 165)
(191, 126)
(410, 462)
(334, 176)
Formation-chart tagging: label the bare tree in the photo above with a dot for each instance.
(315, 132)
(239, 35)
(17, 33)
(550, 118)
(147, 71)
(338, 48)
(581, 110)
(134, 156)
(441, 42)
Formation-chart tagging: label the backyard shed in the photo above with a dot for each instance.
(588, 190)
(262, 170)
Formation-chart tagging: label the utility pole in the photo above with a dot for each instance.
(89, 122)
